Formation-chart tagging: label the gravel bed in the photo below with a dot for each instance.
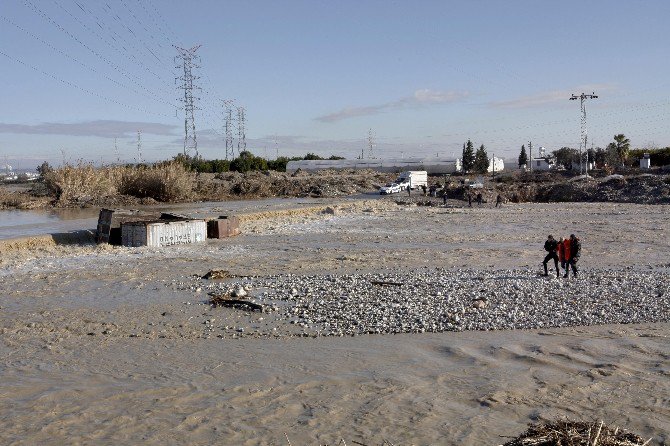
(452, 300)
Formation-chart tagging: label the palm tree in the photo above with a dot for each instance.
(622, 147)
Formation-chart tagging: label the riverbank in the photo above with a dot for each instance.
(517, 187)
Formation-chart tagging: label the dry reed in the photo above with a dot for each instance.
(163, 182)
(84, 182)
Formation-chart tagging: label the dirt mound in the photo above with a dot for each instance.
(642, 189)
(328, 183)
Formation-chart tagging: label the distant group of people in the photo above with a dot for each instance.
(566, 251)
(499, 199)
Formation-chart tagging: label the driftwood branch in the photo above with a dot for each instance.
(225, 300)
(381, 282)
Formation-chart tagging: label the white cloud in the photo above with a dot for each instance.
(101, 128)
(420, 98)
(551, 97)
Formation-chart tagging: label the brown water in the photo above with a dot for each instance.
(23, 223)
(99, 347)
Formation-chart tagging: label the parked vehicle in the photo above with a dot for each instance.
(391, 188)
(404, 184)
(413, 178)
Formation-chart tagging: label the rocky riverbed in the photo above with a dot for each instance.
(437, 301)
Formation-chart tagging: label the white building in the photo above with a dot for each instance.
(542, 164)
(432, 165)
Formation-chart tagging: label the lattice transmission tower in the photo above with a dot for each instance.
(241, 130)
(228, 128)
(139, 147)
(371, 144)
(116, 152)
(188, 61)
(584, 137)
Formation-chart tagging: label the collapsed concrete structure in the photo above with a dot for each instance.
(135, 228)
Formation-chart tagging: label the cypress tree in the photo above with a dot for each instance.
(468, 157)
(523, 157)
(481, 164)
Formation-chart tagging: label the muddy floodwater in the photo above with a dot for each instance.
(20, 223)
(113, 345)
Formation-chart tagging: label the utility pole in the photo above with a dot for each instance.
(139, 146)
(582, 143)
(493, 161)
(188, 59)
(241, 131)
(530, 155)
(228, 128)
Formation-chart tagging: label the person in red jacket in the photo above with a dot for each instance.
(561, 252)
(566, 255)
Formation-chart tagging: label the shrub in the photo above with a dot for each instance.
(171, 181)
(81, 182)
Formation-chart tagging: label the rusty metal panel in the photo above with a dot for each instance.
(104, 226)
(134, 234)
(224, 226)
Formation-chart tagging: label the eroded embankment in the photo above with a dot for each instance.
(251, 222)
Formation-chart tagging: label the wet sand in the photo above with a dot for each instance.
(99, 346)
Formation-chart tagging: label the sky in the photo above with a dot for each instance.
(82, 77)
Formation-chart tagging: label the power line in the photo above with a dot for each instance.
(82, 64)
(46, 17)
(85, 90)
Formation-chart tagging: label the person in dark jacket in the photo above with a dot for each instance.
(551, 246)
(575, 252)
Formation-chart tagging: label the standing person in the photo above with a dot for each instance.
(409, 190)
(566, 255)
(444, 197)
(423, 188)
(469, 199)
(561, 253)
(479, 198)
(498, 200)
(551, 246)
(575, 252)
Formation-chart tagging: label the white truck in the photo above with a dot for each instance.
(412, 179)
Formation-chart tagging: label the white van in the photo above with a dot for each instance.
(413, 179)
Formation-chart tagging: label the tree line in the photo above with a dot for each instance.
(474, 162)
(616, 153)
(245, 162)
